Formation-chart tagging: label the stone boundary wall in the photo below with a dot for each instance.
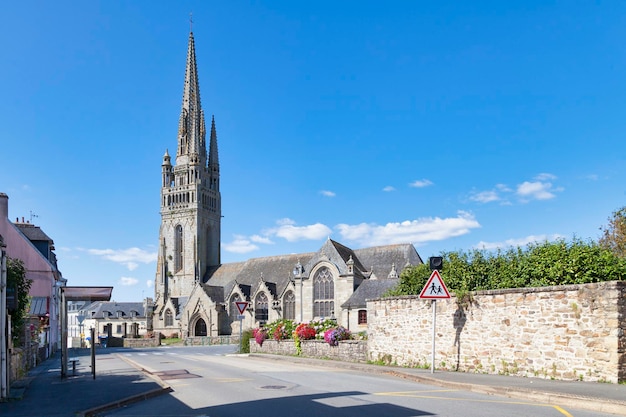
(141, 342)
(347, 350)
(211, 340)
(573, 332)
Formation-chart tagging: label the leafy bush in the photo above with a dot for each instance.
(246, 335)
(260, 335)
(280, 329)
(333, 336)
(305, 331)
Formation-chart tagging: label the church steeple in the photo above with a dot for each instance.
(191, 203)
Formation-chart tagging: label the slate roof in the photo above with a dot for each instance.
(179, 305)
(109, 309)
(33, 233)
(276, 271)
(369, 290)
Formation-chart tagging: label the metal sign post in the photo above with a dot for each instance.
(432, 360)
(241, 307)
(434, 289)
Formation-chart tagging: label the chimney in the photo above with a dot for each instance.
(4, 206)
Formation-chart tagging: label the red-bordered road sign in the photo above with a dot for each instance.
(435, 288)
(241, 306)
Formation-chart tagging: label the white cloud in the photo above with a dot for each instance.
(545, 177)
(292, 233)
(540, 189)
(150, 283)
(389, 188)
(415, 231)
(523, 241)
(503, 187)
(421, 183)
(535, 190)
(261, 239)
(285, 221)
(485, 196)
(128, 281)
(327, 193)
(128, 257)
(240, 244)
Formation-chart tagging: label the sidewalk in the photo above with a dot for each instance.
(44, 393)
(119, 382)
(592, 396)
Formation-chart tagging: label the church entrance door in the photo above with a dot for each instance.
(200, 328)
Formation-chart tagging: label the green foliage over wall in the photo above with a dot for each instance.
(537, 265)
(16, 278)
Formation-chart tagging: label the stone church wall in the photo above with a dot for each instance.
(571, 332)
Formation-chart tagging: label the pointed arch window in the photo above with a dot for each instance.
(323, 293)
(289, 306)
(261, 311)
(233, 311)
(178, 248)
(169, 318)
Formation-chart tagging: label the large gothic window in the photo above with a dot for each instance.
(289, 306)
(323, 293)
(169, 318)
(178, 248)
(261, 308)
(232, 308)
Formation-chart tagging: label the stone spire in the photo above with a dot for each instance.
(214, 160)
(191, 129)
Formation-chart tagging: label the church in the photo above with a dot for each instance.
(196, 295)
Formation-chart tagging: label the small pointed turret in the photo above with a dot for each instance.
(214, 162)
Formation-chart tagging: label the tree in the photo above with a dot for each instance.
(614, 235)
(16, 278)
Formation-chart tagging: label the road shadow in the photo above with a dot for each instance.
(337, 404)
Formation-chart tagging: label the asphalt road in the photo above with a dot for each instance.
(208, 381)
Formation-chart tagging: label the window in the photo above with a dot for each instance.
(362, 316)
(169, 318)
(323, 293)
(232, 308)
(289, 306)
(178, 248)
(261, 307)
(118, 329)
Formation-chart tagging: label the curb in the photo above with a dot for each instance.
(164, 389)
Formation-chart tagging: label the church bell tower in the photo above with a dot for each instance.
(191, 207)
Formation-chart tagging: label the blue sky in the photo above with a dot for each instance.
(451, 125)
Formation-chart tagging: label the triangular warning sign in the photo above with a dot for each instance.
(435, 288)
(241, 306)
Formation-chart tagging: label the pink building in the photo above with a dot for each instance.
(29, 243)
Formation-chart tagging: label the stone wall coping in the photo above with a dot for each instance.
(524, 290)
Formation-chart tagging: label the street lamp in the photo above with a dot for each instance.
(297, 273)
